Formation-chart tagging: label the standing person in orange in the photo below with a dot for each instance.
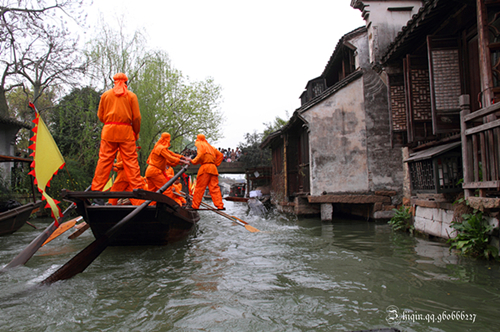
(159, 158)
(119, 111)
(209, 158)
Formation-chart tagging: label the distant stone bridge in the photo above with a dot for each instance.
(224, 168)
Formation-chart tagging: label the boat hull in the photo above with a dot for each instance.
(12, 220)
(155, 225)
(159, 224)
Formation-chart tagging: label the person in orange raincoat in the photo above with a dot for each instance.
(119, 111)
(121, 182)
(159, 158)
(177, 188)
(209, 158)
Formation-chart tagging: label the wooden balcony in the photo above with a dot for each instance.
(480, 150)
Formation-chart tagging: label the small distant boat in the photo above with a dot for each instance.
(236, 199)
(164, 223)
(13, 219)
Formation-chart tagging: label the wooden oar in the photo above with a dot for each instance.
(62, 229)
(85, 257)
(31, 225)
(232, 218)
(81, 227)
(33, 247)
(30, 250)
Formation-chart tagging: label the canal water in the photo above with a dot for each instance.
(294, 275)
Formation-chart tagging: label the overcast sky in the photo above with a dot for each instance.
(261, 52)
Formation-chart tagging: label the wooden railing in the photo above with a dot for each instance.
(224, 168)
(480, 148)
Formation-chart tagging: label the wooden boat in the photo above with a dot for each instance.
(13, 219)
(162, 224)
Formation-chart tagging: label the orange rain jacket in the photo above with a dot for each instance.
(119, 111)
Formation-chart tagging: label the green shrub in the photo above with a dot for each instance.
(402, 220)
(472, 236)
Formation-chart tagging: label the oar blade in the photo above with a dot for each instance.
(80, 262)
(62, 229)
(251, 229)
(30, 250)
(81, 228)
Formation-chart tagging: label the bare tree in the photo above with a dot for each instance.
(36, 45)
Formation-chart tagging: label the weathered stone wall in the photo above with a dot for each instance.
(383, 24)
(337, 138)
(385, 163)
(434, 221)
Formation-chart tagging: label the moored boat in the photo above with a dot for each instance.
(236, 199)
(160, 224)
(15, 218)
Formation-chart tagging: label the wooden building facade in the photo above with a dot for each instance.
(444, 61)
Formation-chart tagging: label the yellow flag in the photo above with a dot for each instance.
(47, 161)
(109, 184)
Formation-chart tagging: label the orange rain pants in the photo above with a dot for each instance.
(107, 155)
(212, 181)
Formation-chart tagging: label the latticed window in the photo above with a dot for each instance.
(422, 176)
(436, 170)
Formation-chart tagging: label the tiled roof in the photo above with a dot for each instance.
(14, 122)
(331, 90)
(336, 52)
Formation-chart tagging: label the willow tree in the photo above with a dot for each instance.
(114, 51)
(169, 102)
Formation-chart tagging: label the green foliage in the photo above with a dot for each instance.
(71, 177)
(4, 192)
(271, 127)
(402, 220)
(472, 236)
(18, 100)
(115, 51)
(251, 154)
(76, 129)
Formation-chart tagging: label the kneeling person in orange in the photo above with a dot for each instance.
(119, 111)
(159, 158)
(209, 158)
(177, 190)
